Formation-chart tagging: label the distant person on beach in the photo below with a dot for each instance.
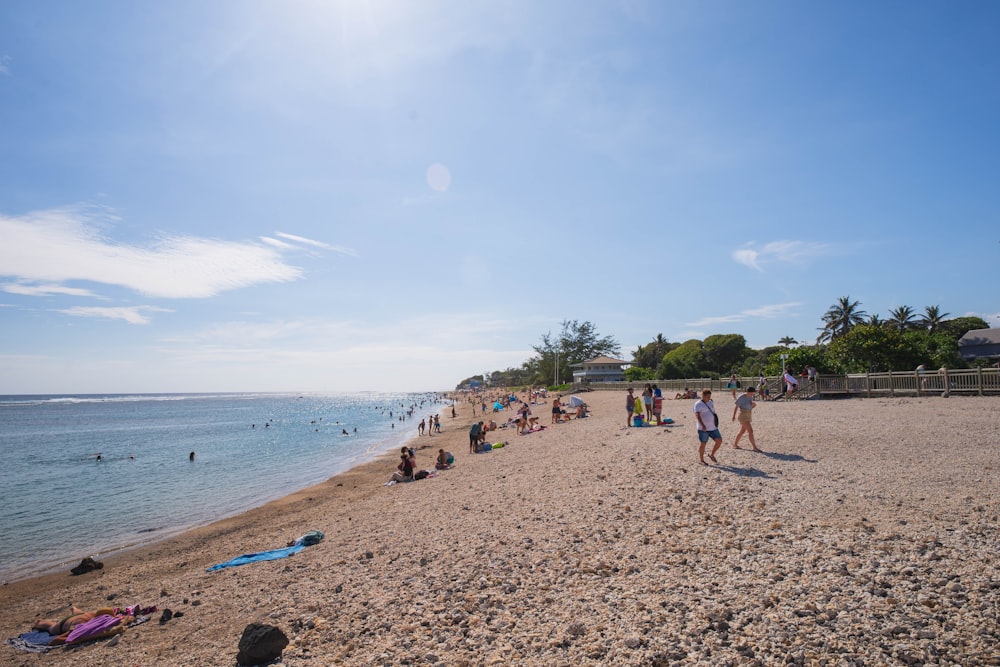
(733, 385)
(420, 427)
(474, 434)
(444, 460)
(708, 425)
(437, 423)
(744, 411)
(647, 401)
(629, 407)
(404, 471)
(791, 384)
(191, 456)
(556, 410)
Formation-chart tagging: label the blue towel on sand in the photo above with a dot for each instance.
(33, 642)
(258, 557)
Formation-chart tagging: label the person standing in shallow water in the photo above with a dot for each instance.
(744, 406)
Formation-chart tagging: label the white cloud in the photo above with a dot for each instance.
(44, 249)
(5, 64)
(131, 314)
(43, 290)
(779, 252)
(317, 244)
(763, 313)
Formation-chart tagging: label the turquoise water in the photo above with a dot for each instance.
(60, 503)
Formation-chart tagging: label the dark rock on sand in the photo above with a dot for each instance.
(88, 564)
(261, 644)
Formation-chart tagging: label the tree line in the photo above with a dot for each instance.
(850, 341)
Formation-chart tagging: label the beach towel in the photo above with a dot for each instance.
(246, 559)
(32, 642)
(101, 626)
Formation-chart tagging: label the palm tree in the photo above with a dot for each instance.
(841, 317)
(876, 321)
(788, 341)
(902, 318)
(933, 317)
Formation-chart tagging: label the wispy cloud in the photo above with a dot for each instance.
(45, 249)
(43, 289)
(5, 64)
(761, 313)
(131, 314)
(317, 244)
(779, 252)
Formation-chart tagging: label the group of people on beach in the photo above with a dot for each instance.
(407, 471)
(650, 402)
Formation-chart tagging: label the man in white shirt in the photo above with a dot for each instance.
(708, 425)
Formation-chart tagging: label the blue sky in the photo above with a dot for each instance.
(354, 195)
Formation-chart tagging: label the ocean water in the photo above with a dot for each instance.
(61, 503)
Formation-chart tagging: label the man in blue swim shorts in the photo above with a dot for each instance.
(708, 426)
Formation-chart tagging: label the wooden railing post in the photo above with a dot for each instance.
(979, 379)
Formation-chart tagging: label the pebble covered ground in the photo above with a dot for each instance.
(865, 534)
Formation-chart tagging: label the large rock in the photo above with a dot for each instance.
(260, 644)
(88, 564)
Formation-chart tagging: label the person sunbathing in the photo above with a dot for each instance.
(60, 629)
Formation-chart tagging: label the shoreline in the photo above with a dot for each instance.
(370, 462)
(106, 544)
(591, 543)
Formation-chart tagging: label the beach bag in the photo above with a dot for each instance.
(421, 474)
(716, 419)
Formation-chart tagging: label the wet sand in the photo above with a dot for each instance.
(866, 533)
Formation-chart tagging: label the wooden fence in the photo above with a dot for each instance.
(965, 381)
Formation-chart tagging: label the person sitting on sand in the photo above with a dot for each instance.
(444, 460)
(404, 471)
(556, 410)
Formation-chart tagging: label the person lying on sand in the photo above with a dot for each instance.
(60, 629)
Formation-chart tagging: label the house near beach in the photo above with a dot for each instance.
(600, 369)
(980, 343)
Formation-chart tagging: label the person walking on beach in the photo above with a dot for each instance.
(629, 407)
(437, 423)
(420, 427)
(744, 406)
(733, 384)
(791, 384)
(708, 426)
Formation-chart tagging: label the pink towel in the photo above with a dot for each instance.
(93, 627)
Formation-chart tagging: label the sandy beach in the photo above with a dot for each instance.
(864, 534)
